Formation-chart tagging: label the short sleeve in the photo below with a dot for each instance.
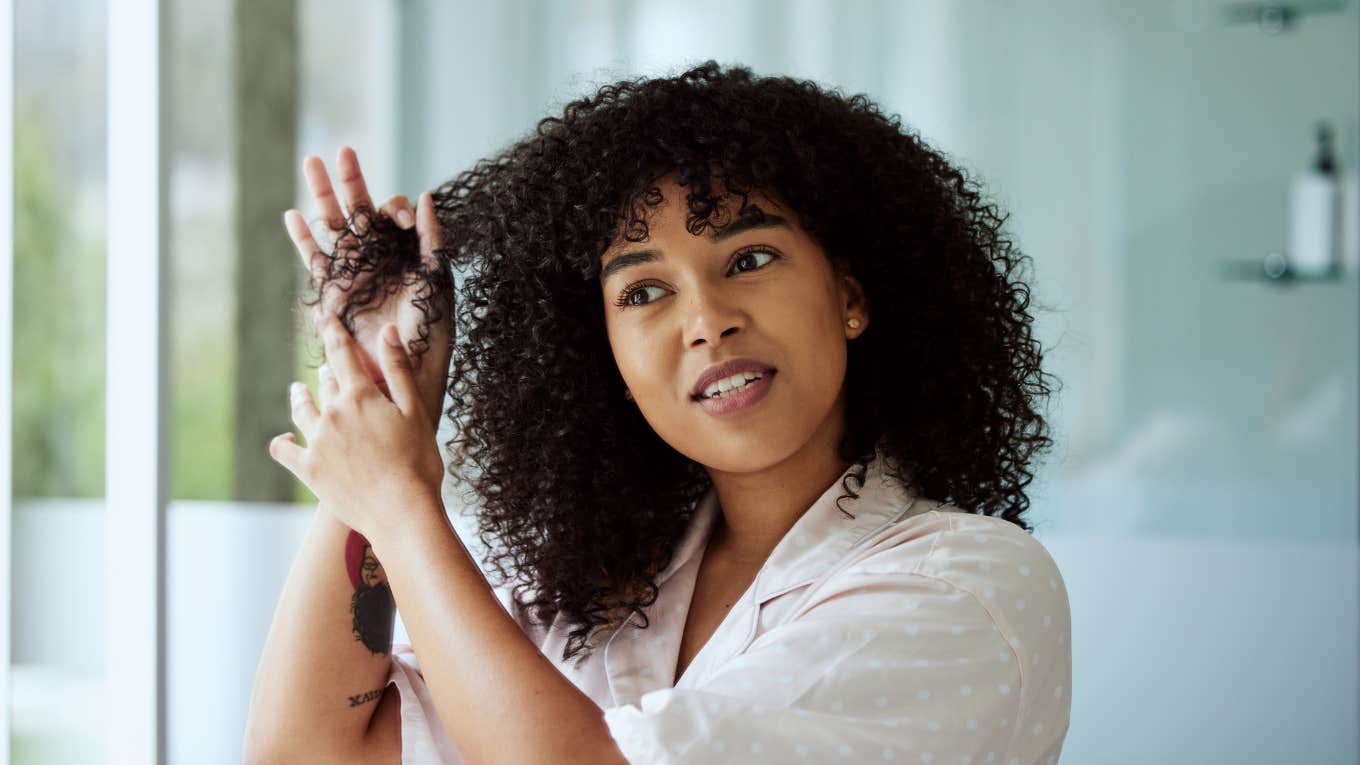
(885, 665)
(423, 738)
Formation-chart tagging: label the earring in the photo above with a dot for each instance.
(852, 323)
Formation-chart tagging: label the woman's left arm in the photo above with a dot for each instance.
(375, 463)
(501, 700)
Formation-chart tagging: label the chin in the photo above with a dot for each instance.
(750, 453)
(747, 445)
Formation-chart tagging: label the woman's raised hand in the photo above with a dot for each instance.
(399, 308)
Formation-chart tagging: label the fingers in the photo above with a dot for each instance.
(313, 259)
(320, 185)
(428, 230)
(352, 180)
(343, 357)
(304, 410)
(398, 208)
(285, 451)
(327, 387)
(355, 191)
(396, 367)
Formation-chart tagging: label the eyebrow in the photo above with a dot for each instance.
(739, 226)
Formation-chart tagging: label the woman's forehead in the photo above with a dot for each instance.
(729, 213)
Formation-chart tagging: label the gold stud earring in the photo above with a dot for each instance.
(852, 323)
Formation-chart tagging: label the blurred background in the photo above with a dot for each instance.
(1182, 172)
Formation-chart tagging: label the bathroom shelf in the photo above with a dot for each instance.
(1274, 270)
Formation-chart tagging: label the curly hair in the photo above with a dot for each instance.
(579, 501)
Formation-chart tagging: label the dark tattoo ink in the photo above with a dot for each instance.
(364, 698)
(372, 604)
(356, 548)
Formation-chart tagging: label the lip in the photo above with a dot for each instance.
(726, 369)
(742, 401)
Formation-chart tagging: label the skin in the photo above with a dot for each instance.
(708, 299)
(371, 456)
(374, 463)
(372, 459)
(329, 644)
(432, 368)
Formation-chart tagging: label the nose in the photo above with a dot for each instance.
(709, 318)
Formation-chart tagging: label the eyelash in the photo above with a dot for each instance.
(737, 257)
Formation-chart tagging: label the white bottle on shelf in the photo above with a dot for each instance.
(1314, 213)
(1350, 222)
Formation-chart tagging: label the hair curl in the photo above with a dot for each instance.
(580, 503)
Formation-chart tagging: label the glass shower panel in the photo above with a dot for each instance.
(1233, 410)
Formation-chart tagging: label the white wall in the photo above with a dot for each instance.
(225, 569)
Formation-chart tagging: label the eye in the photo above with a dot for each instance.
(752, 256)
(636, 295)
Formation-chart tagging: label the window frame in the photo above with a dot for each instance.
(137, 396)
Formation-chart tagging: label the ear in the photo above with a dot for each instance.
(854, 305)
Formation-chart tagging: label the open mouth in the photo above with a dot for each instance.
(732, 386)
(736, 393)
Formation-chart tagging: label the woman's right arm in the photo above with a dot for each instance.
(320, 691)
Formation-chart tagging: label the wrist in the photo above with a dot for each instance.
(416, 515)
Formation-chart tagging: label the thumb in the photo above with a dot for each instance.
(396, 366)
(284, 449)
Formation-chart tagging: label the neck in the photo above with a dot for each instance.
(759, 508)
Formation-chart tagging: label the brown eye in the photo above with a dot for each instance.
(752, 257)
(636, 295)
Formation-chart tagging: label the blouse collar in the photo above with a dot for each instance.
(817, 542)
(819, 538)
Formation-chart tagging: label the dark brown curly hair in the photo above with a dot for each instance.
(579, 501)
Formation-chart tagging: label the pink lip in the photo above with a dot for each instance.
(726, 369)
(740, 401)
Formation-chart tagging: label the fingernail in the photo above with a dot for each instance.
(324, 372)
(392, 336)
(404, 218)
(296, 389)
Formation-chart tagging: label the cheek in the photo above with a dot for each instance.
(810, 332)
(638, 358)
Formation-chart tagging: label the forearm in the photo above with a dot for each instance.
(500, 699)
(316, 676)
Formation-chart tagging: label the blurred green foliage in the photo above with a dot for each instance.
(59, 342)
(203, 411)
(58, 322)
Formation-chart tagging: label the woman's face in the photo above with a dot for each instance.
(680, 303)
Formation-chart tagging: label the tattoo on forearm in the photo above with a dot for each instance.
(364, 698)
(372, 603)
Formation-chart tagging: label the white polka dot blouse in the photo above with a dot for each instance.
(912, 632)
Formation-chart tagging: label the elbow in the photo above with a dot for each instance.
(255, 748)
(260, 746)
(262, 749)
(273, 750)
(258, 754)
(255, 754)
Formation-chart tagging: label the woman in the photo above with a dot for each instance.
(745, 395)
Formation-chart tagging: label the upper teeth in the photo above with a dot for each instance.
(722, 387)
